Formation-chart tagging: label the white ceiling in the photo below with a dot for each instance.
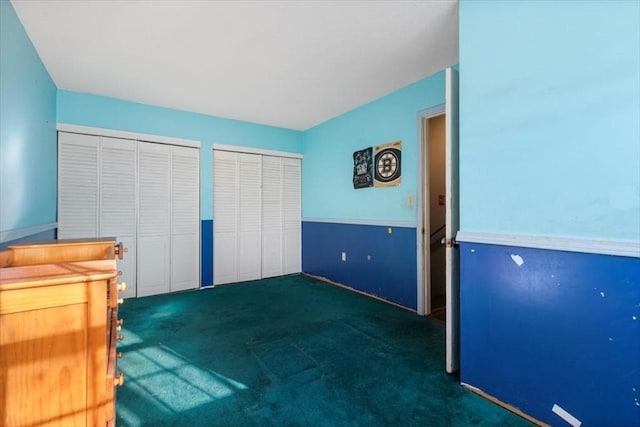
(293, 64)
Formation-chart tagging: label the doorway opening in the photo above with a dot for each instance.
(434, 218)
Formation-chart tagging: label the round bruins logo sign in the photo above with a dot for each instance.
(387, 165)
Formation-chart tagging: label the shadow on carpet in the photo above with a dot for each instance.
(289, 351)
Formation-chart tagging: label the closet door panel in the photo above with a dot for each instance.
(118, 202)
(292, 252)
(78, 182)
(249, 251)
(185, 218)
(291, 215)
(154, 204)
(225, 254)
(271, 216)
(185, 264)
(225, 217)
(153, 265)
(249, 217)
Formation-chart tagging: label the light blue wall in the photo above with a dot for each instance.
(28, 152)
(109, 113)
(327, 189)
(550, 118)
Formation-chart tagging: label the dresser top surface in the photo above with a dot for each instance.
(65, 242)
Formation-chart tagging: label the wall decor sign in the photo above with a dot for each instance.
(387, 164)
(362, 163)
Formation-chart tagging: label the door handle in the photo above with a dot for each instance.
(451, 243)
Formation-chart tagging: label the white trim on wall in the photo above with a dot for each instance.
(570, 244)
(373, 222)
(250, 150)
(19, 233)
(88, 130)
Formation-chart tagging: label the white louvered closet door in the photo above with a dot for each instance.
(291, 206)
(118, 197)
(154, 211)
(257, 221)
(225, 217)
(250, 217)
(185, 218)
(272, 260)
(78, 186)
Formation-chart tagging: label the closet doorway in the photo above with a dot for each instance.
(435, 218)
(256, 214)
(145, 194)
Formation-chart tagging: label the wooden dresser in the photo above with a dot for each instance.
(58, 329)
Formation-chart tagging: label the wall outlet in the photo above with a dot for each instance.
(344, 256)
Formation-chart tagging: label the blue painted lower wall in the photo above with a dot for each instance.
(206, 252)
(561, 328)
(390, 273)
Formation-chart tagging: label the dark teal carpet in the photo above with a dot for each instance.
(289, 351)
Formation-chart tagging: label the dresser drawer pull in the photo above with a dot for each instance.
(120, 250)
(119, 380)
(120, 300)
(121, 287)
(120, 337)
(119, 355)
